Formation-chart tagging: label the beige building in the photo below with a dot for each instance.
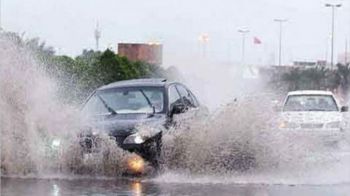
(149, 53)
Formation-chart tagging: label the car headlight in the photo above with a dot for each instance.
(335, 124)
(286, 125)
(134, 139)
(55, 143)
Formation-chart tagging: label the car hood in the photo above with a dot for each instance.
(311, 117)
(124, 124)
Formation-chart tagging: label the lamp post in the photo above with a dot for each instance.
(346, 52)
(280, 21)
(203, 40)
(333, 6)
(243, 32)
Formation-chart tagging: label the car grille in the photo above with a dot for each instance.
(311, 125)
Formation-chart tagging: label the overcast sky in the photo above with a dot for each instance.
(69, 25)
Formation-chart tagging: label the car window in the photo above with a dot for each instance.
(310, 103)
(174, 96)
(186, 96)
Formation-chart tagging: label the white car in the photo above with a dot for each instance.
(316, 112)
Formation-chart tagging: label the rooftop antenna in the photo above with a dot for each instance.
(97, 36)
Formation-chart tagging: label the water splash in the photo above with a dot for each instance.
(245, 131)
(34, 122)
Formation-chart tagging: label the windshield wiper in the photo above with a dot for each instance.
(148, 101)
(113, 112)
(316, 110)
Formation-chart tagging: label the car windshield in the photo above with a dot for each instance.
(310, 103)
(125, 100)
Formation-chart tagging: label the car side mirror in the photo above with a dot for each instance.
(178, 108)
(344, 108)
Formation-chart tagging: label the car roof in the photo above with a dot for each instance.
(310, 92)
(157, 82)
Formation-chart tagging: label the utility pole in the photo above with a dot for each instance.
(333, 6)
(280, 21)
(346, 52)
(326, 49)
(243, 32)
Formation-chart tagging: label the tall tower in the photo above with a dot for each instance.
(97, 36)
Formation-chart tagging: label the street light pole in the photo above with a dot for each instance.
(243, 32)
(280, 21)
(203, 40)
(333, 6)
(346, 52)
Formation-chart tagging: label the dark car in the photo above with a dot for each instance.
(121, 108)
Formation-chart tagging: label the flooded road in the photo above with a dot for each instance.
(236, 150)
(101, 187)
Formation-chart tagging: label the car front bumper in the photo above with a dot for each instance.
(325, 135)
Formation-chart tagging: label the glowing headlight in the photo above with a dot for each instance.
(134, 139)
(282, 125)
(286, 125)
(335, 124)
(136, 164)
(56, 143)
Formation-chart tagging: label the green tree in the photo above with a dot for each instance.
(292, 79)
(343, 78)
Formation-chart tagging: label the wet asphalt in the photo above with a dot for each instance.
(104, 187)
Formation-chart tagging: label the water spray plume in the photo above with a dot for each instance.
(38, 131)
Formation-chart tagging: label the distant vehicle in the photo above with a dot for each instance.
(313, 112)
(122, 108)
